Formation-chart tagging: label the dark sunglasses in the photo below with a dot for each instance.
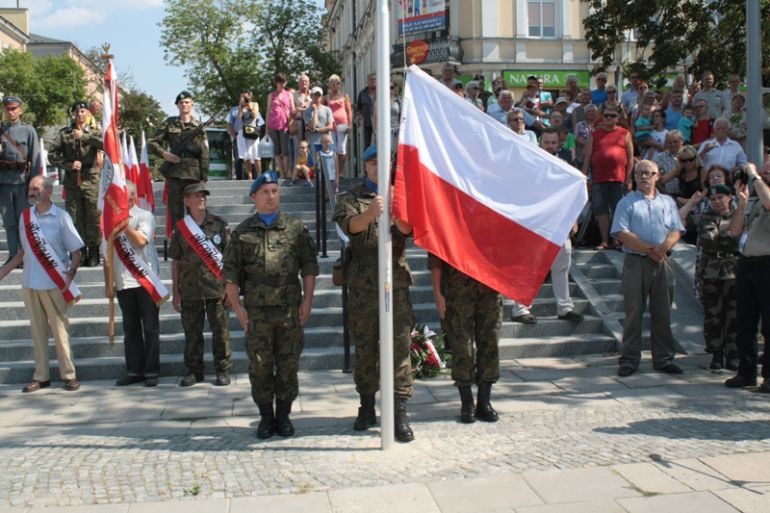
(691, 159)
(610, 115)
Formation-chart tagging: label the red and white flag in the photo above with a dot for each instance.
(126, 156)
(134, 165)
(489, 203)
(147, 199)
(113, 196)
(43, 159)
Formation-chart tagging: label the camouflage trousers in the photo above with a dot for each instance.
(175, 197)
(81, 205)
(274, 343)
(364, 324)
(720, 326)
(474, 313)
(193, 314)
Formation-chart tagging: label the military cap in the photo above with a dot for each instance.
(196, 187)
(11, 99)
(719, 189)
(370, 153)
(183, 96)
(78, 105)
(267, 177)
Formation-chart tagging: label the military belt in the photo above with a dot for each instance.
(7, 165)
(720, 254)
(188, 155)
(271, 281)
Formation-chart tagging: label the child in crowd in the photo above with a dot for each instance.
(643, 124)
(301, 169)
(686, 122)
(326, 159)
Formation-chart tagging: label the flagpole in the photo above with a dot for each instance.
(384, 253)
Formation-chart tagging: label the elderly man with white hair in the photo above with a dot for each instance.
(720, 149)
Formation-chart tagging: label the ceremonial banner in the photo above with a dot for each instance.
(34, 241)
(204, 248)
(489, 203)
(141, 272)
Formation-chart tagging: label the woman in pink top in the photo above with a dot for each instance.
(279, 107)
(339, 103)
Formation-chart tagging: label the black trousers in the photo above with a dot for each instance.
(141, 332)
(752, 291)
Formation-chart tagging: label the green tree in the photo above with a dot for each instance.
(230, 45)
(139, 111)
(675, 34)
(48, 85)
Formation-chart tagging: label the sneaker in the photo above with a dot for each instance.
(191, 379)
(572, 316)
(525, 319)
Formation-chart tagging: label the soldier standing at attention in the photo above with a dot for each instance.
(181, 143)
(472, 312)
(76, 149)
(269, 250)
(356, 214)
(19, 160)
(197, 246)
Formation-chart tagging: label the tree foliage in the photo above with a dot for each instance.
(139, 111)
(48, 85)
(230, 45)
(675, 34)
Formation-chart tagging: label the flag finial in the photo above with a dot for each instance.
(106, 55)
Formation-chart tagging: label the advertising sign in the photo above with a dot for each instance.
(551, 79)
(416, 16)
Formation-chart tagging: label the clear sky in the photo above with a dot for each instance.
(130, 26)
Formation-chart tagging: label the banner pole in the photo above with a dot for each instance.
(385, 269)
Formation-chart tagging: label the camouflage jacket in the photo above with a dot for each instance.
(454, 280)
(66, 149)
(268, 259)
(196, 281)
(182, 140)
(362, 271)
(719, 250)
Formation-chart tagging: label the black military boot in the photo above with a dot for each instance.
(266, 428)
(731, 361)
(484, 410)
(403, 432)
(283, 425)
(466, 401)
(366, 416)
(92, 256)
(717, 359)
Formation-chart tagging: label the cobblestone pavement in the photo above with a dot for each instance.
(106, 445)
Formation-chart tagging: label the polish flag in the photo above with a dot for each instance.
(127, 170)
(482, 199)
(147, 201)
(134, 165)
(113, 196)
(43, 159)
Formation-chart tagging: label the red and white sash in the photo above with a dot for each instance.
(140, 270)
(34, 241)
(204, 248)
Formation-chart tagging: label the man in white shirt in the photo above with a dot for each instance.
(721, 149)
(43, 298)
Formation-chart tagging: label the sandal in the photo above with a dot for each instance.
(602, 246)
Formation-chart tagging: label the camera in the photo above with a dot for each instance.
(740, 174)
(246, 99)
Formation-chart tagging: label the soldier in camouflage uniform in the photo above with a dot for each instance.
(19, 161)
(266, 253)
(199, 293)
(472, 312)
(76, 150)
(357, 214)
(181, 143)
(718, 267)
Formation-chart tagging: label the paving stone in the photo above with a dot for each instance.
(301, 503)
(694, 474)
(753, 500)
(649, 479)
(744, 469)
(578, 485)
(106, 508)
(183, 506)
(595, 506)
(404, 498)
(695, 502)
(474, 495)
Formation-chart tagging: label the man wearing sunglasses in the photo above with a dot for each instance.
(648, 225)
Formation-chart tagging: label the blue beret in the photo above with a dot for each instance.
(11, 99)
(183, 96)
(370, 153)
(267, 177)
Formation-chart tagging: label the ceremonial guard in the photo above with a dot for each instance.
(356, 214)
(181, 143)
(267, 252)
(472, 312)
(76, 150)
(197, 247)
(19, 160)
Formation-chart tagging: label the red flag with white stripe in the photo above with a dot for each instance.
(482, 199)
(147, 201)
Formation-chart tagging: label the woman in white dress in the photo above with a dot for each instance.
(248, 137)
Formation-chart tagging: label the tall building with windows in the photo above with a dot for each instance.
(508, 38)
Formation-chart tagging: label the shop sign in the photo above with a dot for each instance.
(417, 51)
(421, 16)
(551, 79)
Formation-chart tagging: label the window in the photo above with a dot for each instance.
(542, 18)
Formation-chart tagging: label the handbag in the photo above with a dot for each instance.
(265, 148)
(250, 132)
(293, 126)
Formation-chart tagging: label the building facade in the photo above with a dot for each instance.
(508, 38)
